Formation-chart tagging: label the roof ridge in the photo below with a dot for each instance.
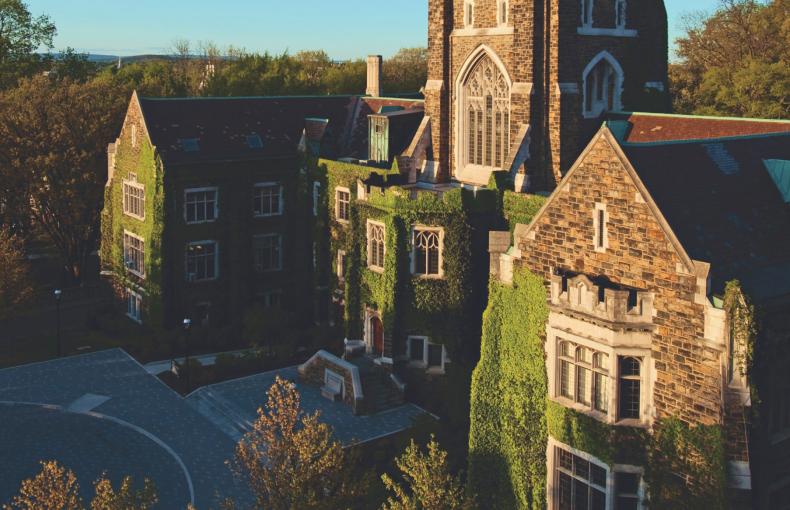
(705, 117)
(693, 141)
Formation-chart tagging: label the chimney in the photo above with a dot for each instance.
(374, 76)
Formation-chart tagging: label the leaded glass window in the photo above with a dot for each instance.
(486, 106)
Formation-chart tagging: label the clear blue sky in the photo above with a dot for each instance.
(343, 28)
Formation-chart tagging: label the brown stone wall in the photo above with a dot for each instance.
(640, 255)
(543, 49)
(314, 374)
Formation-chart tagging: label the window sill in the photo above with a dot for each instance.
(274, 215)
(470, 30)
(582, 408)
(611, 32)
(204, 280)
(135, 319)
(136, 273)
(428, 276)
(201, 222)
(134, 216)
(376, 269)
(342, 222)
(435, 371)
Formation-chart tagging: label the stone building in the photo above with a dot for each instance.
(654, 248)
(374, 213)
(522, 85)
(209, 205)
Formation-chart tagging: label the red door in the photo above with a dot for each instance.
(377, 330)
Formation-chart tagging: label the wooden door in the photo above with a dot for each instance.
(377, 332)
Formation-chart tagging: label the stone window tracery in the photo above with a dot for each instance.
(603, 86)
(376, 246)
(427, 252)
(486, 103)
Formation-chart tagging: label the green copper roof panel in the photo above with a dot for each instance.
(779, 170)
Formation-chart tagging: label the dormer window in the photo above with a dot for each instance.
(502, 12)
(189, 144)
(469, 13)
(254, 141)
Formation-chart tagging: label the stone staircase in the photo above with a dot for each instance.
(380, 391)
(220, 412)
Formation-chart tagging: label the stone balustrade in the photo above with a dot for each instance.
(623, 306)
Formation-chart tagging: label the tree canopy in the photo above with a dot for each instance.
(21, 35)
(735, 62)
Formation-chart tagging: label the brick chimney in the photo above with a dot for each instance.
(374, 76)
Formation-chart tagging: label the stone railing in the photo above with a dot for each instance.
(580, 294)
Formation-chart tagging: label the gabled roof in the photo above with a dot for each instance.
(221, 125)
(716, 202)
(720, 200)
(358, 141)
(656, 127)
(606, 136)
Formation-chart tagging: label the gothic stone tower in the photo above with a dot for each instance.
(522, 85)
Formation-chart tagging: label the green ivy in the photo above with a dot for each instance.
(742, 321)
(520, 207)
(508, 433)
(148, 168)
(686, 466)
(512, 418)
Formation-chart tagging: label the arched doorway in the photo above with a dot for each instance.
(376, 335)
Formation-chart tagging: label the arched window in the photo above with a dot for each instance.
(485, 110)
(427, 252)
(603, 85)
(607, 11)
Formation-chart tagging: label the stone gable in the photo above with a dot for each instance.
(641, 255)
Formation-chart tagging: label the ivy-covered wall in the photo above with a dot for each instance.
(512, 418)
(143, 162)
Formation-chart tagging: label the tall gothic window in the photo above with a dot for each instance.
(487, 114)
(603, 84)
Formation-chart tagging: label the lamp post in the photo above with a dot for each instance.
(58, 295)
(187, 324)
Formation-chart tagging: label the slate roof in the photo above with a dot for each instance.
(647, 127)
(103, 411)
(221, 125)
(722, 204)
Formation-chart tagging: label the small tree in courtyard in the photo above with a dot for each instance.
(429, 484)
(54, 488)
(290, 460)
(57, 488)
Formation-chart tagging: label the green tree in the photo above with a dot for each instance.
(290, 460)
(57, 488)
(429, 483)
(126, 497)
(53, 139)
(406, 71)
(15, 289)
(735, 62)
(21, 35)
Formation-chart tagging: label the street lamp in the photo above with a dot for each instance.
(187, 325)
(58, 295)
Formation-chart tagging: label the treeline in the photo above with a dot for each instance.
(735, 62)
